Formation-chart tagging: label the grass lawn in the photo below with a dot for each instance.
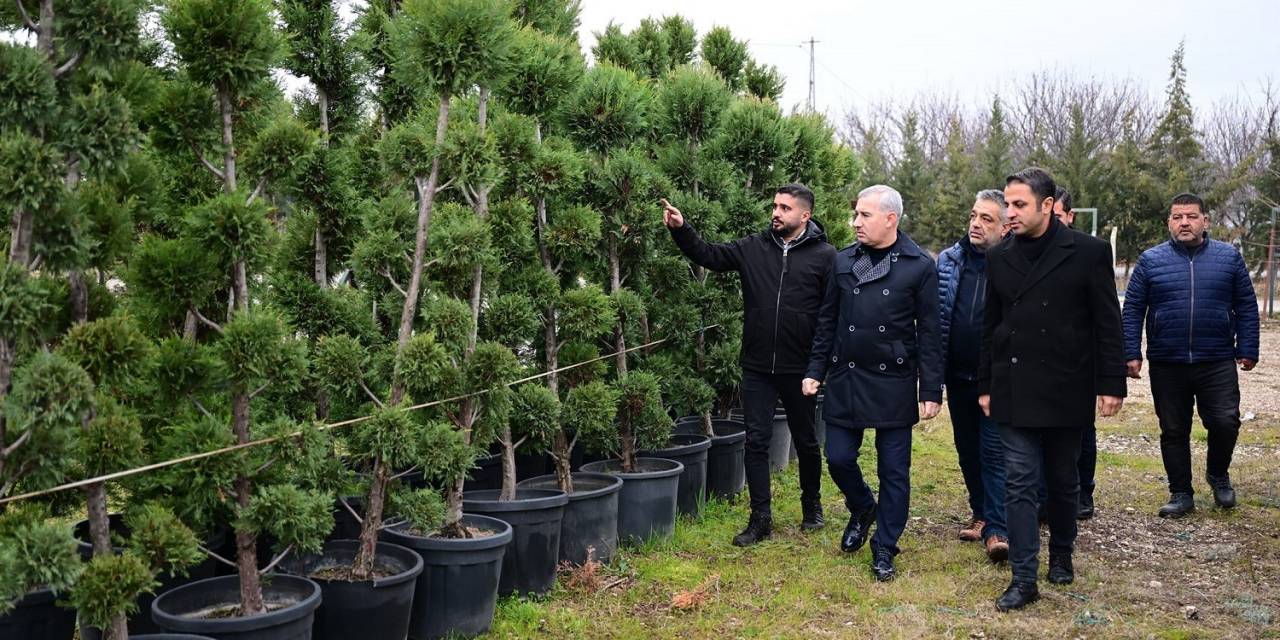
(1136, 575)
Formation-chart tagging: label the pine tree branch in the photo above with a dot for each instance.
(392, 523)
(275, 561)
(209, 552)
(208, 165)
(200, 316)
(257, 190)
(199, 406)
(372, 396)
(404, 473)
(446, 185)
(259, 390)
(22, 439)
(347, 506)
(386, 273)
(26, 18)
(66, 66)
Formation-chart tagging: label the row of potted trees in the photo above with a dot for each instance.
(452, 201)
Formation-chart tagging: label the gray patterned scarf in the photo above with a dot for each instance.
(866, 271)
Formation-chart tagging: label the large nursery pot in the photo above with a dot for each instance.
(779, 442)
(37, 617)
(457, 591)
(297, 599)
(589, 529)
(689, 450)
(647, 502)
(726, 475)
(141, 622)
(375, 609)
(534, 553)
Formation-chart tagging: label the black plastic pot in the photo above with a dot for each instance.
(141, 621)
(37, 617)
(345, 525)
(368, 609)
(535, 516)
(689, 450)
(647, 502)
(173, 610)
(590, 525)
(457, 591)
(726, 475)
(528, 465)
(486, 475)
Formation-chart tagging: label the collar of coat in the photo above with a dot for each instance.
(1060, 248)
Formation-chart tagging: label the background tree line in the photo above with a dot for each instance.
(1115, 146)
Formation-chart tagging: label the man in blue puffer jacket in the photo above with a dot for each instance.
(1201, 315)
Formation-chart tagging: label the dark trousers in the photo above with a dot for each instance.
(1086, 468)
(1027, 452)
(760, 395)
(893, 468)
(981, 456)
(1213, 388)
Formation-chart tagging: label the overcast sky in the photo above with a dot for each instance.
(868, 51)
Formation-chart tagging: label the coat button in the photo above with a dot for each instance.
(881, 328)
(885, 292)
(1045, 303)
(850, 364)
(883, 367)
(899, 360)
(1013, 332)
(855, 291)
(1043, 332)
(851, 327)
(1014, 360)
(835, 358)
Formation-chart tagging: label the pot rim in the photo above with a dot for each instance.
(295, 611)
(675, 469)
(614, 484)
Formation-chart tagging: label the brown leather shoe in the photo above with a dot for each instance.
(972, 532)
(997, 548)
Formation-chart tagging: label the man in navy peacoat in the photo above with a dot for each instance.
(878, 340)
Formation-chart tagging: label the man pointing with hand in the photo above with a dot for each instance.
(784, 270)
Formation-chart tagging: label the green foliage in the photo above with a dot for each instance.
(25, 304)
(653, 50)
(227, 45)
(108, 219)
(386, 435)
(555, 17)
(231, 230)
(171, 275)
(157, 536)
(544, 70)
(101, 30)
(257, 348)
(31, 172)
(640, 410)
(99, 130)
(112, 350)
(763, 81)
(608, 109)
(427, 370)
(574, 231)
(423, 509)
(281, 150)
(682, 39)
(408, 149)
(49, 396)
(112, 441)
(616, 48)
(294, 517)
(574, 352)
(535, 414)
(180, 368)
(689, 103)
(753, 137)
(511, 230)
(585, 313)
(449, 319)
(109, 586)
(510, 319)
(35, 554)
(444, 454)
(448, 46)
(726, 55)
(588, 413)
(912, 175)
(28, 94)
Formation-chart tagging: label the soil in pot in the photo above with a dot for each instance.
(689, 450)
(457, 591)
(589, 529)
(207, 607)
(726, 475)
(37, 617)
(375, 609)
(141, 622)
(647, 502)
(535, 517)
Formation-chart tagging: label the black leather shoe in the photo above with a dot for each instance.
(812, 520)
(1084, 510)
(1017, 596)
(1224, 495)
(1179, 504)
(759, 527)
(858, 530)
(1060, 569)
(882, 563)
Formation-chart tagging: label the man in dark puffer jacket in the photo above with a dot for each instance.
(1201, 315)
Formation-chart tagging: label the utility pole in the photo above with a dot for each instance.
(813, 96)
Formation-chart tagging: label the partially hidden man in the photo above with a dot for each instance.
(784, 272)
(878, 345)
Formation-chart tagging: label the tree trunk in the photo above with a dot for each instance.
(322, 102)
(628, 440)
(322, 258)
(241, 290)
(228, 141)
(453, 511)
(44, 31)
(189, 326)
(426, 199)
(79, 296)
(20, 238)
(508, 465)
(562, 455)
(362, 567)
(615, 285)
(246, 541)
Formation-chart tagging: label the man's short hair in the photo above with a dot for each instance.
(995, 196)
(799, 192)
(1039, 180)
(1063, 196)
(1188, 198)
(890, 199)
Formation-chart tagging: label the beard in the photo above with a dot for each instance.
(783, 229)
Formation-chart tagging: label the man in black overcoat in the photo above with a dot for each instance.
(1052, 356)
(879, 346)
